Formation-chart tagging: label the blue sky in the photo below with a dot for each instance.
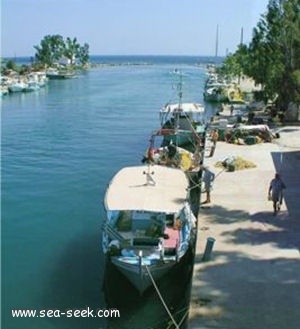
(128, 27)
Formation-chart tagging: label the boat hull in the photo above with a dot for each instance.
(139, 276)
(149, 226)
(17, 87)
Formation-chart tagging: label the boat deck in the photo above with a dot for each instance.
(147, 188)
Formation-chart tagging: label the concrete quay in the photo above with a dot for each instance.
(252, 280)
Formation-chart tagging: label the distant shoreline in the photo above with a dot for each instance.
(137, 59)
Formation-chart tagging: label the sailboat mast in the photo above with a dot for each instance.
(178, 110)
(217, 42)
(180, 90)
(241, 44)
(242, 35)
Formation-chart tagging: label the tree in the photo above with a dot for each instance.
(279, 30)
(53, 48)
(83, 55)
(273, 55)
(12, 65)
(71, 49)
(235, 64)
(50, 49)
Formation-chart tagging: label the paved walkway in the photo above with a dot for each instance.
(253, 278)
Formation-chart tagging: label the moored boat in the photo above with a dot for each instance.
(215, 93)
(149, 225)
(188, 159)
(32, 86)
(187, 120)
(54, 74)
(17, 86)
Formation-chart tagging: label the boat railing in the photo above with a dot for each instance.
(113, 233)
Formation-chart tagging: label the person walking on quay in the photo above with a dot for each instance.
(276, 192)
(208, 178)
(214, 138)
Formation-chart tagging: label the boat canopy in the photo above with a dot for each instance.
(147, 188)
(184, 107)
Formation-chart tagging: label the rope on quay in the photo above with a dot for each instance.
(161, 298)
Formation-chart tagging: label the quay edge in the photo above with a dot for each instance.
(252, 279)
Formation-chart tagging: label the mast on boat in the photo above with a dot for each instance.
(179, 110)
(242, 36)
(217, 44)
(179, 89)
(241, 44)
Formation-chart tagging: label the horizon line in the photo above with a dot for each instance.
(140, 55)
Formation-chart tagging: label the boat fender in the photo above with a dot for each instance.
(114, 248)
(114, 243)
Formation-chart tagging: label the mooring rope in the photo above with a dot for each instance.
(183, 317)
(161, 298)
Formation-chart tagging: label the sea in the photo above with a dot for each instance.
(60, 147)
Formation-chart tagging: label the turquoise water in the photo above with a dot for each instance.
(60, 148)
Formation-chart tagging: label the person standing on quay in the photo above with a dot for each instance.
(276, 192)
(214, 138)
(208, 178)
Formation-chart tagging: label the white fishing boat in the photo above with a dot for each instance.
(17, 86)
(37, 80)
(182, 122)
(32, 83)
(55, 74)
(149, 223)
(215, 93)
(189, 160)
(42, 79)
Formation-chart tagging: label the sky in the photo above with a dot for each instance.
(130, 27)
